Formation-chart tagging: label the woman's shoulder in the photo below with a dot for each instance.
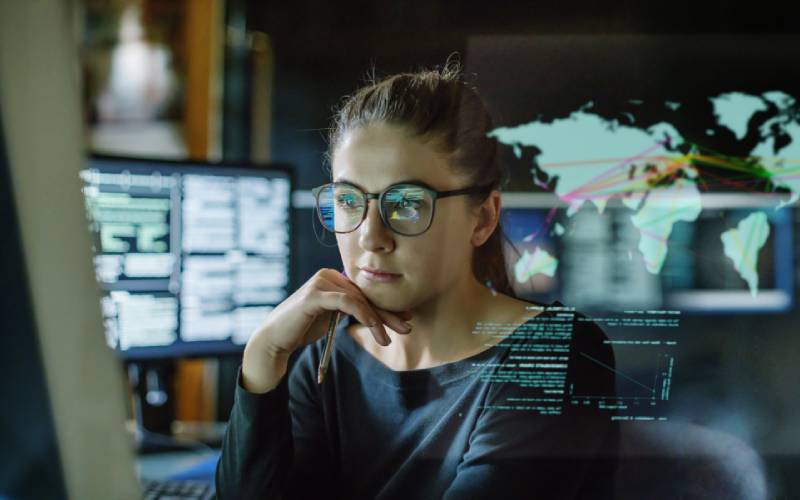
(579, 329)
(515, 309)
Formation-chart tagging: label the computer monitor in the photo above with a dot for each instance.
(63, 432)
(595, 261)
(191, 255)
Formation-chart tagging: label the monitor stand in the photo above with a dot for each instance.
(154, 406)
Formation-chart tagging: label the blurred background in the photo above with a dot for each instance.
(653, 154)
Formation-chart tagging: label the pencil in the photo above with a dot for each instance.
(326, 354)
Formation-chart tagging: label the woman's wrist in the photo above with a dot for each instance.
(262, 369)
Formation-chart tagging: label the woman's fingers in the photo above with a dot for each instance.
(396, 321)
(358, 308)
(405, 315)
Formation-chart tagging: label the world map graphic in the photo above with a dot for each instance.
(659, 175)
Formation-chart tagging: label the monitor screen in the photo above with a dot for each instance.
(191, 255)
(736, 256)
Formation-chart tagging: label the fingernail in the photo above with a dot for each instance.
(405, 327)
(384, 337)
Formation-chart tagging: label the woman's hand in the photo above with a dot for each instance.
(303, 318)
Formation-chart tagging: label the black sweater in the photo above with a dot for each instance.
(498, 424)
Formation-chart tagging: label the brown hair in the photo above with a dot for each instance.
(438, 106)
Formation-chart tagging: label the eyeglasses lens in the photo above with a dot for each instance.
(408, 208)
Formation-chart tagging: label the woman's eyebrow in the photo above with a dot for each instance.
(342, 179)
(410, 181)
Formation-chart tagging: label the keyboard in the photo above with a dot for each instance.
(177, 490)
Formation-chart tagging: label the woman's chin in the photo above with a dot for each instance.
(386, 299)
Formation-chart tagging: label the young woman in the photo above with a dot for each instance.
(425, 396)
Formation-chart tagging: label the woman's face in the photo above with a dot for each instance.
(374, 157)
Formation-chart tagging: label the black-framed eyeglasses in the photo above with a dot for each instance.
(406, 208)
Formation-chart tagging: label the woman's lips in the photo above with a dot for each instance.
(382, 277)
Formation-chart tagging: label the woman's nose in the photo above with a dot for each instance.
(373, 232)
(373, 221)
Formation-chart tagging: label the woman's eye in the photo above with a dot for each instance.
(404, 203)
(346, 202)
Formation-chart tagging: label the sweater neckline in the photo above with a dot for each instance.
(375, 371)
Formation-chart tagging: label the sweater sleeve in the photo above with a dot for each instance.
(521, 454)
(274, 446)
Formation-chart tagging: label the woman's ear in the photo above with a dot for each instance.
(488, 217)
